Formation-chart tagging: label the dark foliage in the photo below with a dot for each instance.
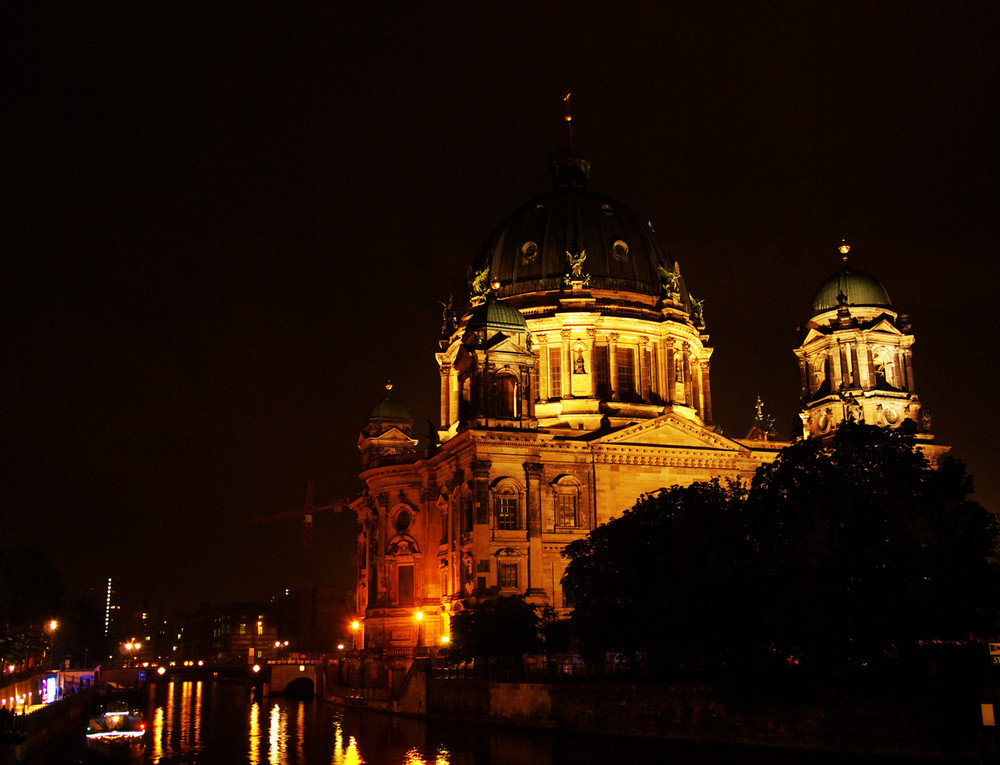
(841, 554)
(862, 549)
(507, 626)
(664, 584)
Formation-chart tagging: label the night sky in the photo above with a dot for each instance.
(225, 228)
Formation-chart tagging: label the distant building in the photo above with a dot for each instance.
(233, 633)
(577, 379)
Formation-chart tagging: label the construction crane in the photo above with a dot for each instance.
(307, 585)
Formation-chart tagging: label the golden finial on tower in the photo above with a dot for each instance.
(844, 248)
(388, 385)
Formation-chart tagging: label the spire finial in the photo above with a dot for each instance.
(568, 119)
(759, 406)
(844, 248)
(388, 385)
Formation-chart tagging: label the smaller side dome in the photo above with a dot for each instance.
(386, 415)
(389, 410)
(497, 315)
(861, 289)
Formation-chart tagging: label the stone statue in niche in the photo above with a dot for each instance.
(579, 368)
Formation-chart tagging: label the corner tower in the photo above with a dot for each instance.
(855, 357)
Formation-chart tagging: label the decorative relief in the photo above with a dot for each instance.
(402, 545)
(529, 252)
(533, 469)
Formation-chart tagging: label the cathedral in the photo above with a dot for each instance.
(576, 379)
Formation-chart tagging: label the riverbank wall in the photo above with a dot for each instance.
(27, 737)
(690, 713)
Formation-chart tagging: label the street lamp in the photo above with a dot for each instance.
(131, 648)
(354, 634)
(51, 627)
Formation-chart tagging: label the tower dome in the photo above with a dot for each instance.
(497, 315)
(860, 289)
(387, 414)
(387, 435)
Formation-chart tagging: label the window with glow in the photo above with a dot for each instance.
(625, 366)
(555, 372)
(506, 394)
(507, 575)
(566, 509)
(601, 371)
(507, 512)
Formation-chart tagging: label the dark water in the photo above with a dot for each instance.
(217, 724)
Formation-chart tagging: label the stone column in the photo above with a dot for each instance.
(837, 376)
(613, 365)
(699, 399)
(671, 373)
(707, 392)
(804, 377)
(533, 517)
(908, 357)
(481, 537)
(542, 349)
(454, 397)
(592, 360)
(445, 396)
(687, 376)
(567, 364)
(641, 371)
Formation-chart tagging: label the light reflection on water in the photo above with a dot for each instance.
(211, 723)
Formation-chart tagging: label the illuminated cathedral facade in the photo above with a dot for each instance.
(577, 379)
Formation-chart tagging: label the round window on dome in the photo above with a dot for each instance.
(402, 520)
(606, 209)
(620, 250)
(529, 251)
(539, 209)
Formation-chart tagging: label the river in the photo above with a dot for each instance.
(215, 723)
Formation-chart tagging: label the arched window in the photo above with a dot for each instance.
(508, 570)
(505, 390)
(507, 505)
(885, 369)
(566, 502)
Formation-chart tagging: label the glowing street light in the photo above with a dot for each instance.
(419, 616)
(355, 625)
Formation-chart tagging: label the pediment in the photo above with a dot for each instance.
(885, 325)
(671, 430)
(814, 333)
(501, 343)
(393, 436)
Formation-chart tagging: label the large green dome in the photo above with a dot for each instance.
(860, 288)
(527, 252)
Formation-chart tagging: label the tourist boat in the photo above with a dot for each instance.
(115, 737)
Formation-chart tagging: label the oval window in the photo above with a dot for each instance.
(402, 520)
